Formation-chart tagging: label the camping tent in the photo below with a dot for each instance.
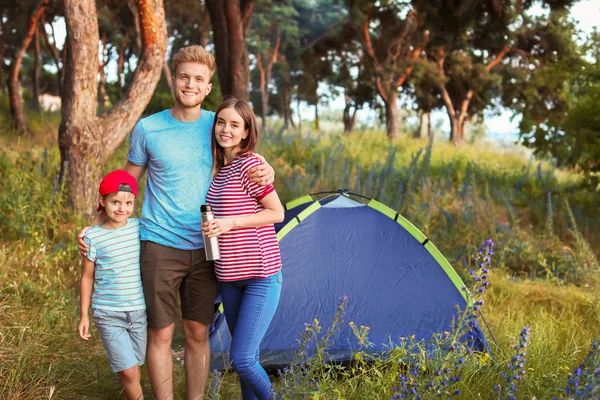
(396, 281)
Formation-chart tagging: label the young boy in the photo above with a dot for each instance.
(112, 269)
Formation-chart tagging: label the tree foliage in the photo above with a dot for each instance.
(466, 57)
(392, 38)
(559, 104)
(273, 27)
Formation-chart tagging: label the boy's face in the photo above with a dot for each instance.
(191, 83)
(118, 206)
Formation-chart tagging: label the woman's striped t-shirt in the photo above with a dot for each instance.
(116, 254)
(245, 252)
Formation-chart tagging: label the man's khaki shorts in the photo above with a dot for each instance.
(167, 271)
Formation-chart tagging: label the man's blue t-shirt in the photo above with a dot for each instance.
(179, 160)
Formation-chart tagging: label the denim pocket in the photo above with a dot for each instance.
(279, 277)
(100, 316)
(138, 317)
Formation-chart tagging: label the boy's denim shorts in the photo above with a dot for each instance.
(124, 335)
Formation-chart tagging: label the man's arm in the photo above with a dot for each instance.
(137, 171)
(99, 219)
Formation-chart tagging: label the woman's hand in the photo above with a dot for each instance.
(216, 227)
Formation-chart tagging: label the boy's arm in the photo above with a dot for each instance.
(85, 293)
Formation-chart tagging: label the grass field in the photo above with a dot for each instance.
(544, 272)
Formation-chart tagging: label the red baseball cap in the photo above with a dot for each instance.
(111, 182)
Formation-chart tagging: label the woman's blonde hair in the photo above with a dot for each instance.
(194, 54)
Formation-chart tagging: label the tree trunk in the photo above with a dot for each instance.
(419, 132)
(136, 24)
(349, 116)
(264, 94)
(429, 130)
(16, 102)
(316, 111)
(86, 141)
(286, 106)
(230, 20)
(391, 117)
(204, 28)
(389, 95)
(55, 56)
(16, 107)
(102, 97)
(221, 42)
(287, 112)
(457, 125)
(36, 70)
(465, 129)
(266, 68)
(350, 121)
(459, 134)
(388, 76)
(455, 115)
(299, 114)
(121, 63)
(2, 52)
(238, 57)
(346, 116)
(459, 114)
(64, 55)
(167, 75)
(265, 78)
(424, 125)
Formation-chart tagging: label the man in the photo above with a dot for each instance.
(174, 146)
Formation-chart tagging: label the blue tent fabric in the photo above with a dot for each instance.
(393, 284)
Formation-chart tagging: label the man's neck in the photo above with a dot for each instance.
(186, 114)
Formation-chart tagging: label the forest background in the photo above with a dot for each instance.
(65, 121)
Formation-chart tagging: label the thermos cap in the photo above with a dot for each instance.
(205, 208)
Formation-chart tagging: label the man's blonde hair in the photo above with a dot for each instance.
(194, 54)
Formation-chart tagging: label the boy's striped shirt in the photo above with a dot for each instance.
(116, 254)
(245, 252)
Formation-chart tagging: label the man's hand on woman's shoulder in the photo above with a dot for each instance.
(83, 247)
(99, 219)
(262, 174)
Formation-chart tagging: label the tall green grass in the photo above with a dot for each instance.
(470, 192)
(545, 273)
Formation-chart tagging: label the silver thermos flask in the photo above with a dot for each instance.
(211, 245)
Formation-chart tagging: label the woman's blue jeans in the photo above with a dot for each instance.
(249, 306)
